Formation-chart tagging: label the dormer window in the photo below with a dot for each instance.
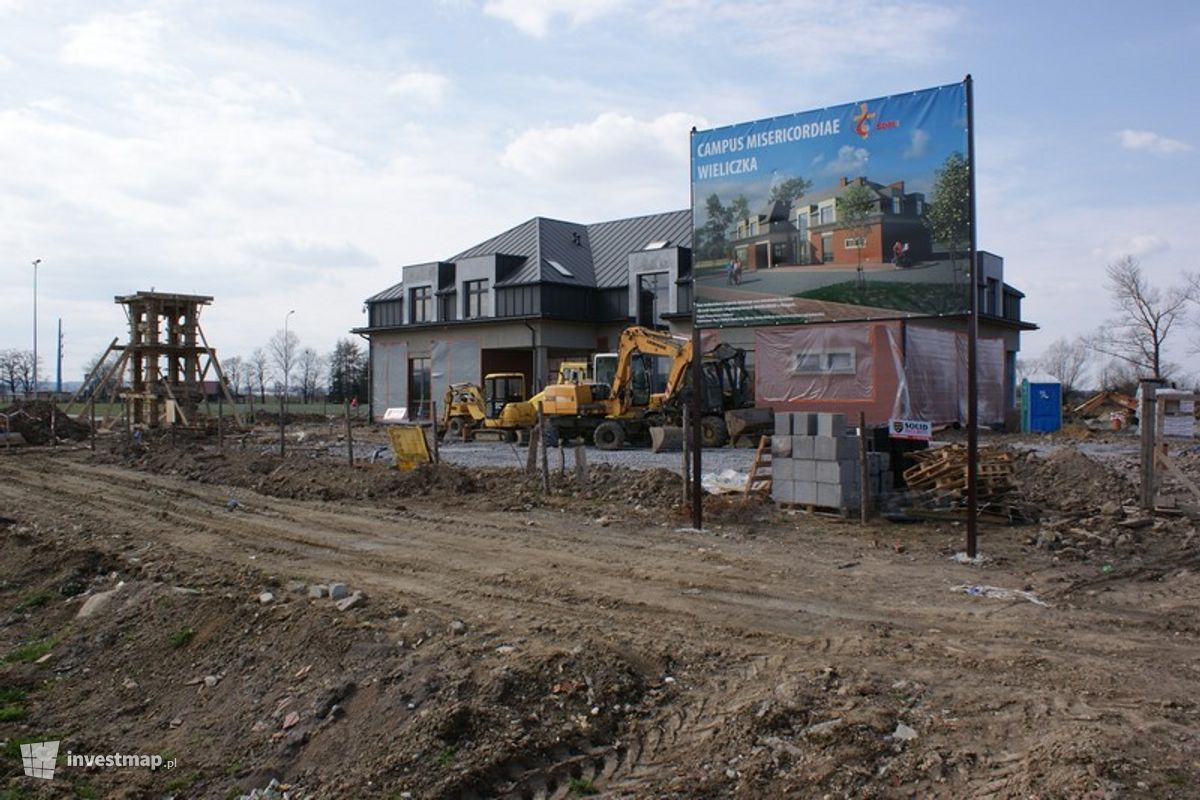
(475, 300)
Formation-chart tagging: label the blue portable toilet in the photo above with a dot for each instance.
(1041, 404)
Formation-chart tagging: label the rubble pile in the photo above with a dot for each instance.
(32, 419)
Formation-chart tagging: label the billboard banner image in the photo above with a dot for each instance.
(859, 211)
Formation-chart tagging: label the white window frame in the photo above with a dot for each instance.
(855, 242)
(825, 359)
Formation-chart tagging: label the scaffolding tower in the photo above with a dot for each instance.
(167, 357)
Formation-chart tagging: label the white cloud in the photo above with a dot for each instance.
(5, 63)
(1138, 246)
(1151, 142)
(124, 43)
(533, 17)
(308, 253)
(918, 143)
(851, 161)
(424, 87)
(611, 147)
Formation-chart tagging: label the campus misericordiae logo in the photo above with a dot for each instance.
(39, 759)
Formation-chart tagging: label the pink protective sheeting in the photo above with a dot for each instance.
(936, 374)
(843, 368)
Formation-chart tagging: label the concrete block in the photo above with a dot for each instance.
(337, 591)
(353, 601)
(804, 424)
(835, 448)
(836, 496)
(802, 447)
(783, 423)
(781, 469)
(805, 470)
(781, 446)
(318, 590)
(840, 472)
(805, 492)
(831, 424)
(783, 491)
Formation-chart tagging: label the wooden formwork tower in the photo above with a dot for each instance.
(164, 354)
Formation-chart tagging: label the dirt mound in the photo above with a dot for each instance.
(32, 419)
(1069, 481)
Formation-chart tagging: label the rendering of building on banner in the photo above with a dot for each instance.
(836, 244)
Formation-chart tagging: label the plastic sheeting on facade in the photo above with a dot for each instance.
(453, 361)
(850, 367)
(936, 372)
(389, 376)
(882, 369)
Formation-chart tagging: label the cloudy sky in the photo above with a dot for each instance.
(293, 155)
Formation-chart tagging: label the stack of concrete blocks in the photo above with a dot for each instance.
(815, 463)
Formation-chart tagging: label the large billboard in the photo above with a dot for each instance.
(858, 211)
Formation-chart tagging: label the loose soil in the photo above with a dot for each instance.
(518, 645)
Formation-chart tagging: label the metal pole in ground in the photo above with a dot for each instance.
(282, 444)
(437, 457)
(220, 421)
(562, 460)
(684, 449)
(349, 437)
(92, 419)
(535, 436)
(581, 463)
(545, 456)
(1147, 424)
(864, 474)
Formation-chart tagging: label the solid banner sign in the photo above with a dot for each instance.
(910, 429)
(859, 211)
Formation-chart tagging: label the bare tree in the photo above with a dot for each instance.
(1066, 360)
(234, 368)
(97, 385)
(282, 349)
(310, 364)
(10, 369)
(258, 373)
(1145, 317)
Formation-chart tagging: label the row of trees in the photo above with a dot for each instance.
(282, 362)
(1132, 344)
(16, 371)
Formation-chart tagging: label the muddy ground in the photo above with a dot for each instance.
(586, 643)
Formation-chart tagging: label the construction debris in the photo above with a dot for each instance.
(37, 421)
(938, 481)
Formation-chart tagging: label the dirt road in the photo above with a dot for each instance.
(771, 657)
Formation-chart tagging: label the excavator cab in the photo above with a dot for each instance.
(500, 389)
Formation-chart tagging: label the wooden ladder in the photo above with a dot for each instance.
(759, 480)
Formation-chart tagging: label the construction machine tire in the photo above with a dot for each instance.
(454, 429)
(609, 435)
(713, 432)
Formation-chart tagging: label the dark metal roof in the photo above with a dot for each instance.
(594, 255)
(391, 293)
(612, 242)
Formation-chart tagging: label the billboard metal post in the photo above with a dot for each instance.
(697, 440)
(972, 345)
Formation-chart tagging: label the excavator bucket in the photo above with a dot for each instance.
(409, 446)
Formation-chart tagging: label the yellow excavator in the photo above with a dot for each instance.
(625, 410)
(498, 412)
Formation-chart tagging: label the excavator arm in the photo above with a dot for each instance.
(638, 340)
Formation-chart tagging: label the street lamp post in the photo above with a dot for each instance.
(36, 261)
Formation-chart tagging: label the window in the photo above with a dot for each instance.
(920, 208)
(420, 387)
(855, 243)
(802, 222)
(896, 204)
(653, 298)
(475, 299)
(826, 215)
(824, 362)
(658, 245)
(561, 270)
(420, 307)
(827, 247)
